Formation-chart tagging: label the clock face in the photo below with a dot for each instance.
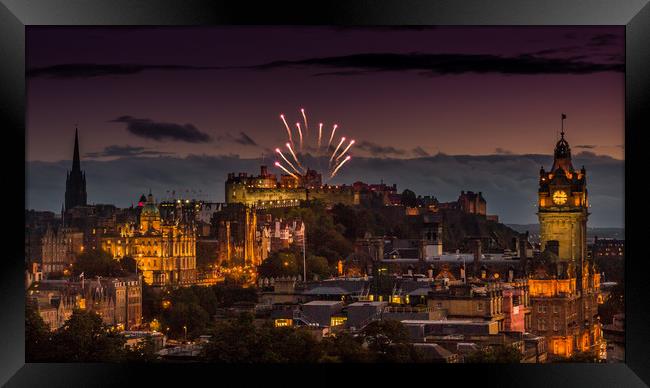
(559, 197)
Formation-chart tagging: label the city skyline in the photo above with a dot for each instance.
(202, 100)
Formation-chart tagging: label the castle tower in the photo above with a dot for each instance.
(75, 183)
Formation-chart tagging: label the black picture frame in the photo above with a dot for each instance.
(634, 15)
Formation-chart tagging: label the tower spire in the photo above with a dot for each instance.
(563, 118)
(76, 164)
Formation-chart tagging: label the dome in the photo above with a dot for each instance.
(150, 210)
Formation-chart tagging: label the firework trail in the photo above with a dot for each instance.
(337, 148)
(294, 155)
(340, 165)
(297, 166)
(285, 170)
(320, 134)
(287, 126)
(300, 132)
(304, 117)
(332, 136)
(287, 160)
(345, 150)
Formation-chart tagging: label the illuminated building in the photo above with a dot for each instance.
(265, 191)
(608, 248)
(472, 203)
(165, 250)
(60, 248)
(564, 284)
(118, 301)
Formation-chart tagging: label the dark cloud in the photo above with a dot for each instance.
(439, 64)
(502, 151)
(559, 50)
(375, 149)
(242, 139)
(90, 70)
(602, 40)
(420, 152)
(585, 146)
(508, 182)
(125, 151)
(159, 131)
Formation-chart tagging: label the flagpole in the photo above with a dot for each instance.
(304, 257)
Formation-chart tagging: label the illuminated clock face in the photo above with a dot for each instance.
(559, 197)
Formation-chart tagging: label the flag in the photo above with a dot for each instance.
(563, 116)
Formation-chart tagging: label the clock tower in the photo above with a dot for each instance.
(563, 206)
(565, 284)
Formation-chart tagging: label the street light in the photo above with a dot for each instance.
(185, 328)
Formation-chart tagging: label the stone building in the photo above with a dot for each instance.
(60, 248)
(472, 203)
(165, 249)
(564, 283)
(266, 191)
(118, 301)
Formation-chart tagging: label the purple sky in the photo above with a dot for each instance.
(179, 108)
(465, 113)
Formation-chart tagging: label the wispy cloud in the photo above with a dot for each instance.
(502, 151)
(375, 149)
(420, 152)
(125, 151)
(91, 70)
(161, 131)
(242, 138)
(440, 64)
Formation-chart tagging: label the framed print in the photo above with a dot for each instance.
(235, 188)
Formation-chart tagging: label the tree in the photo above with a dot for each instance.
(345, 348)
(281, 263)
(386, 331)
(318, 265)
(241, 341)
(144, 351)
(128, 265)
(496, 354)
(97, 263)
(84, 338)
(37, 336)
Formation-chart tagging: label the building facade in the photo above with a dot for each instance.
(165, 250)
(60, 248)
(564, 283)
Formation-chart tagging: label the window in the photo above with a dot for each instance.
(556, 325)
(479, 307)
(541, 308)
(556, 309)
(541, 325)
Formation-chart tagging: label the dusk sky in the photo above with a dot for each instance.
(406, 95)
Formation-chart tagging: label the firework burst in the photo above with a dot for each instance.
(295, 167)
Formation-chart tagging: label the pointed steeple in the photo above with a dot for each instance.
(76, 164)
(75, 184)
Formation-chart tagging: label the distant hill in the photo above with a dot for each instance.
(617, 233)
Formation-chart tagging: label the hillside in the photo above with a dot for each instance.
(459, 226)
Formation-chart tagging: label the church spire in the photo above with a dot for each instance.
(76, 164)
(75, 184)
